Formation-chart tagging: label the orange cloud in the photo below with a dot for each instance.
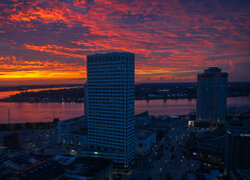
(11, 68)
(58, 50)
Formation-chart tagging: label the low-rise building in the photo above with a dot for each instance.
(200, 176)
(72, 132)
(42, 167)
(237, 151)
(240, 175)
(144, 141)
(76, 139)
(85, 168)
(142, 119)
(180, 121)
(211, 146)
(212, 150)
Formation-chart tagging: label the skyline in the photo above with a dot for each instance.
(45, 42)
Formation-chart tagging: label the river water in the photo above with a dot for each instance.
(45, 112)
(5, 94)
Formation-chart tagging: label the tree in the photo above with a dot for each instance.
(56, 120)
(159, 135)
(149, 178)
(3, 127)
(172, 156)
(172, 149)
(28, 125)
(18, 126)
(11, 140)
(168, 177)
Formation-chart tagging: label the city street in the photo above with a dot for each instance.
(172, 162)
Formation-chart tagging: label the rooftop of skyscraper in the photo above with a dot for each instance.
(108, 54)
(212, 70)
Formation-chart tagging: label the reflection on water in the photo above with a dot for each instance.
(39, 112)
(44, 112)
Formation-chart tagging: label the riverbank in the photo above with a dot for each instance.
(27, 126)
(47, 100)
(150, 91)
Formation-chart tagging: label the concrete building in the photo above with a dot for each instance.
(40, 167)
(199, 176)
(180, 121)
(11, 140)
(240, 175)
(86, 101)
(85, 168)
(211, 149)
(144, 141)
(212, 96)
(111, 123)
(142, 119)
(75, 139)
(71, 132)
(237, 151)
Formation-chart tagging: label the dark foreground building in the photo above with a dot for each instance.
(237, 152)
(41, 167)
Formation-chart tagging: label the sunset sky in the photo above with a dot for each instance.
(47, 41)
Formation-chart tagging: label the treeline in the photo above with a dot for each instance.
(26, 87)
(61, 95)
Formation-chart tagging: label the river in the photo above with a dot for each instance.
(44, 112)
(5, 94)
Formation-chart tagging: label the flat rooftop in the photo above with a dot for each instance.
(72, 119)
(143, 134)
(59, 165)
(109, 54)
(80, 133)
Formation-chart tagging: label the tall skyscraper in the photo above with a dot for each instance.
(212, 95)
(86, 101)
(111, 123)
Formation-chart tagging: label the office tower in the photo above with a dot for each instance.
(212, 96)
(111, 124)
(86, 101)
(237, 151)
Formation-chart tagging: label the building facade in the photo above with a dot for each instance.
(142, 119)
(86, 101)
(237, 151)
(145, 140)
(111, 123)
(212, 95)
(70, 132)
